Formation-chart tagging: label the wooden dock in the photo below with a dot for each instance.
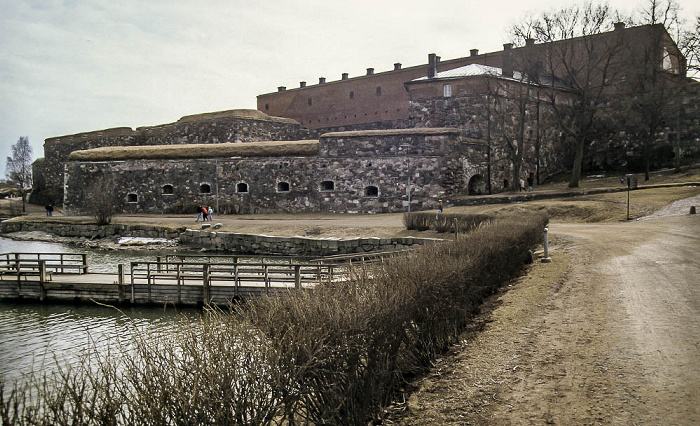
(191, 280)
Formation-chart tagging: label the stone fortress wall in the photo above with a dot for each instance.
(364, 171)
(217, 127)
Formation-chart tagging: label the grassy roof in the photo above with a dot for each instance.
(246, 114)
(426, 131)
(184, 151)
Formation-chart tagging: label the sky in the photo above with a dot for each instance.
(71, 66)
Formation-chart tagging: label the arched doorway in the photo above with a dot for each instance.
(477, 185)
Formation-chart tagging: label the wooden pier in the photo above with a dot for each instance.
(178, 279)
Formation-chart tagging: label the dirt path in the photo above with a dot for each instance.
(609, 333)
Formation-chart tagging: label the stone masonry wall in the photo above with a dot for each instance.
(470, 113)
(223, 241)
(207, 128)
(329, 182)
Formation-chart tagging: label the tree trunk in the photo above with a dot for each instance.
(578, 162)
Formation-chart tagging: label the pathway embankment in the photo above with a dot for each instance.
(605, 334)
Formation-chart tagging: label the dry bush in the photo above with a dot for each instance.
(331, 355)
(422, 221)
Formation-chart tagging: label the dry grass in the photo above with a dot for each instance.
(245, 114)
(248, 149)
(591, 208)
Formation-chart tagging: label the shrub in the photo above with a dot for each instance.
(442, 222)
(417, 221)
(331, 355)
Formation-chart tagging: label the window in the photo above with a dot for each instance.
(204, 188)
(267, 107)
(283, 187)
(447, 90)
(309, 101)
(168, 190)
(352, 94)
(327, 185)
(132, 198)
(379, 91)
(241, 187)
(371, 191)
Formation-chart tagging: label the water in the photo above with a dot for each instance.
(33, 335)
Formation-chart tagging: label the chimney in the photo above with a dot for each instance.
(322, 80)
(397, 66)
(507, 69)
(281, 89)
(474, 52)
(370, 71)
(302, 84)
(529, 41)
(345, 76)
(619, 26)
(432, 65)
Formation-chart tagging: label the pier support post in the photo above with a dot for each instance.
(42, 280)
(205, 274)
(120, 282)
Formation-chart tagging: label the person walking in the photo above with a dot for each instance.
(199, 213)
(530, 181)
(211, 213)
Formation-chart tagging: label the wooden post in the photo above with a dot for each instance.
(85, 262)
(132, 282)
(159, 259)
(148, 278)
(18, 266)
(297, 276)
(206, 283)
(236, 280)
(179, 287)
(42, 279)
(120, 282)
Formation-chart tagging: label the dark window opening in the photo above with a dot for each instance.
(168, 190)
(309, 101)
(327, 185)
(267, 107)
(371, 191)
(204, 188)
(132, 198)
(379, 91)
(352, 94)
(241, 187)
(283, 187)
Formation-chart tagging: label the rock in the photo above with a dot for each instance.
(218, 226)
(206, 225)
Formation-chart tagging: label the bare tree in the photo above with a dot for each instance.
(660, 79)
(578, 51)
(18, 169)
(100, 200)
(511, 96)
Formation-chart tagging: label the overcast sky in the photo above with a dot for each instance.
(70, 66)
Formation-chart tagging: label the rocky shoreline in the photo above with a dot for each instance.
(107, 243)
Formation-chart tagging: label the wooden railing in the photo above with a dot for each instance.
(57, 263)
(260, 274)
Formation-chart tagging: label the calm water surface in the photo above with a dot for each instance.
(33, 335)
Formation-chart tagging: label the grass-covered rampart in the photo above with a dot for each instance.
(333, 355)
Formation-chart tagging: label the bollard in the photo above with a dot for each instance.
(546, 258)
